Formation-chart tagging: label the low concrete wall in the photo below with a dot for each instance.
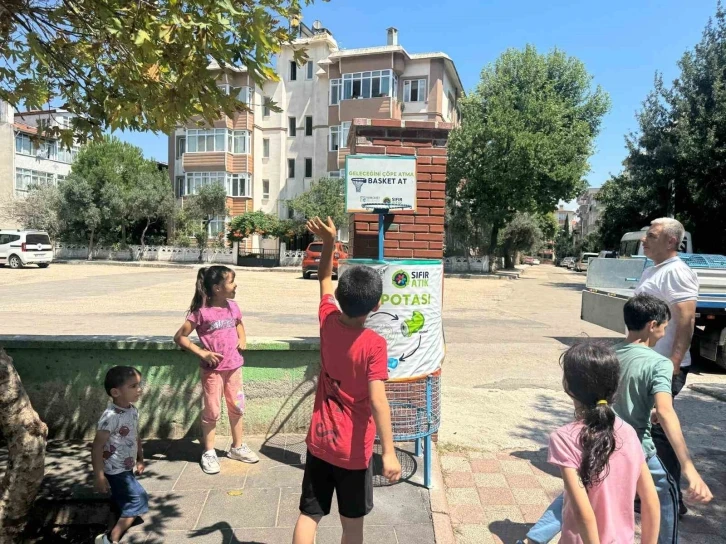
(63, 376)
(171, 254)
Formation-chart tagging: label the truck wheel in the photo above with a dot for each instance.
(15, 262)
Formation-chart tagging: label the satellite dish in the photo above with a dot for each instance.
(317, 25)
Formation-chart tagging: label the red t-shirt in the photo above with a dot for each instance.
(342, 430)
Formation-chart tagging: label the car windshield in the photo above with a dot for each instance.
(315, 248)
(35, 239)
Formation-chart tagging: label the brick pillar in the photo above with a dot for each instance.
(409, 235)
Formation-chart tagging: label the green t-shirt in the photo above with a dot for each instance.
(643, 373)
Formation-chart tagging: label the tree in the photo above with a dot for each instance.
(37, 210)
(674, 164)
(324, 198)
(209, 203)
(248, 224)
(564, 246)
(521, 234)
(137, 65)
(78, 212)
(526, 135)
(548, 224)
(151, 200)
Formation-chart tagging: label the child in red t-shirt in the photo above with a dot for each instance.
(350, 402)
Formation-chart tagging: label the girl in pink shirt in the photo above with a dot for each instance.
(600, 457)
(218, 322)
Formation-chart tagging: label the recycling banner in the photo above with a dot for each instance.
(410, 314)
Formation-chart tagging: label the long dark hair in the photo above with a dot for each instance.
(592, 375)
(207, 278)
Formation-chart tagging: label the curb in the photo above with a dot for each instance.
(190, 266)
(443, 529)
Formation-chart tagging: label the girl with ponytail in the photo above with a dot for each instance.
(600, 456)
(218, 322)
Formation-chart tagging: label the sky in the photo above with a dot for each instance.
(622, 43)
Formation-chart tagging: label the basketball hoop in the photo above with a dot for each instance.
(385, 208)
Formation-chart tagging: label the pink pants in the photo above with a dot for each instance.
(214, 384)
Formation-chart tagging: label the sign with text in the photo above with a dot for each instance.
(379, 182)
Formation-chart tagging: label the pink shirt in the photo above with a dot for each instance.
(612, 499)
(217, 330)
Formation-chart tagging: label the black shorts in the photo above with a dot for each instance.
(354, 489)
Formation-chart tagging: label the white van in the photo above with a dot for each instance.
(22, 247)
(584, 261)
(631, 245)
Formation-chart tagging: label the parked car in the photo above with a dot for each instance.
(535, 261)
(566, 261)
(311, 260)
(528, 260)
(584, 261)
(608, 254)
(19, 248)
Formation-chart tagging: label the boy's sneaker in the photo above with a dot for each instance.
(103, 539)
(210, 463)
(243, 453)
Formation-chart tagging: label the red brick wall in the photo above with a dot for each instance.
(408, 234)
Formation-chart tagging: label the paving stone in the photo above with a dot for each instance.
(516, 467)
(177, 510)
(275, 476)
(462, 496)
(371, 533)
(260, 536)
(450, 463)
(289, 509)
(250, 508)
(420, 534)
(484, 479)
(472, 534)
(207, 535)
(482, 455)
(489, 466)
(188, 450)
(503, 513)
(400, 504)
(161, 475)
(459, 479)
(531, 496)
(232, 476)
(467, 513)
(532, 513)
(522, 481)
(496, 496)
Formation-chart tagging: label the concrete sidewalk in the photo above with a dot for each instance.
(243, 504)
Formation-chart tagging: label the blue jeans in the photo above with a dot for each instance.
(551, 521)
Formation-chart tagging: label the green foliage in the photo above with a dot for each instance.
(324, 198)
(37, 210)
(249, 223)
(467, 230)
(564, 244)
(590, 244)
(78, 211)
(521, 235)
(548, 224)
(526, 135)
(674, 161)
(137, 65)
(151, 200)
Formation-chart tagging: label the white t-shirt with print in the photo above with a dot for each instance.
(121, 448)
(672, 281)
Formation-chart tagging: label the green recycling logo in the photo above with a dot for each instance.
(400, 279)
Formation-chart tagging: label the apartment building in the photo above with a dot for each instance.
(266, 157)
(25, 160)
(565, 216)
(589, 211)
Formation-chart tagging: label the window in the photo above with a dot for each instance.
(60, 178)
(23, 145)
(309, 67)
(290, 211)
(265, 148)
(240, 142)
(235, 184)
(67, 155)
(179, 186)
(335, 91)
(244, 95)
(414, 90)
(334, 139)
(216, 226)
(309, 125)
(334, 174)
(47, 149)
(265, 189)
(308, 167)
(27, 179)
(181, 145)
(266, 106)
(293, 70)
(344, 129)
(290, 168)
(224, 88)
(374, 84)
(217, 140)
(291, 127)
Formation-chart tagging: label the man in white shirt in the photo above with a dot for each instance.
(673, 281)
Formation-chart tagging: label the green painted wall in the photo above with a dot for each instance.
(64, 379)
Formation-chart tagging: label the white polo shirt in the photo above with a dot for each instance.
(672, 281)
